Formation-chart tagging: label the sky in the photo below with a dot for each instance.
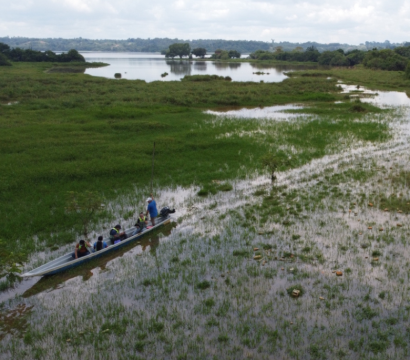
(323, 21)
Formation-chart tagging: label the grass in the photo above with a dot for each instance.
(72, 132)
(198, 292)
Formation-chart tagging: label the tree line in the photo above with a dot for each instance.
(160, 44)
(8, 54)
(396, 59)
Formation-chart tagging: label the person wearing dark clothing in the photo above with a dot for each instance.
(116, 236)
(141, 224)
(100, 244)
(81, 249)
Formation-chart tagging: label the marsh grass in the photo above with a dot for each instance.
(199, 294)
(72, 132)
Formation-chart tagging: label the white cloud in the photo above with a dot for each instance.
(350, 21)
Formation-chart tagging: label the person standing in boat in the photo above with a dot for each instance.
(81, 249)
(152, 209)
(116, 236)
(100, 244)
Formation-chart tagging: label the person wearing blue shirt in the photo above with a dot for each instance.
(100, 244)
(152, 209)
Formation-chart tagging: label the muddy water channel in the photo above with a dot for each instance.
(220, 283)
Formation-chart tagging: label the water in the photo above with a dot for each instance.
(151, 299)
(269, 112)
(378, 98)
(149, 67)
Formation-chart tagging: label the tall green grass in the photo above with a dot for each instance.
(74, 132)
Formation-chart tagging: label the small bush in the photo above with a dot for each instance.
(156, 327)
(147, 282)
(203, 285)
(209, 302)
(223, 338)
(139, 346)
(241, 252)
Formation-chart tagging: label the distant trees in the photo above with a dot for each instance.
(29, 55)
(225, 55)
(333, 58)
(310, 55)
(3, 60)
(199, 52)
(178, 49)
(355, 57)
(385, 60)
(234, 54)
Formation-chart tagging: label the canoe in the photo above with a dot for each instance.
(66, 261)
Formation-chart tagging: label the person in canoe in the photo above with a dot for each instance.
(100, 244)
(81, 249)
(116, 236)
(152, 209)
(141, 224)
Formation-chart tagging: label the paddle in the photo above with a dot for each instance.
(152, 176)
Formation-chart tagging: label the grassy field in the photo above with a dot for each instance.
(72, 132)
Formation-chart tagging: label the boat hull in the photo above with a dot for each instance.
(66, 261)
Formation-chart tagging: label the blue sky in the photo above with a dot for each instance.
(324, 21)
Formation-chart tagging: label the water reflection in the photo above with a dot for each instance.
(54, 282)
(200, 65)
(179, 67)
(379, 98)
(223, 65)
(149, 67)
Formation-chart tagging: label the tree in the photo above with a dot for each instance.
(74, 55)
(4, 48)
(4, 61)
(179, 49)
(199, 52)
(407, 73)
(273, 161)
(234, 54)
(333, 58)
(385, 59)
(85, 205)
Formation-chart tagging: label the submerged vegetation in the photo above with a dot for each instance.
(310, 267)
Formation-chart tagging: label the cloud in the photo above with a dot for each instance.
(291, 20)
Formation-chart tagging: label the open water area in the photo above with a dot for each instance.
(149, 67)
(218, 282)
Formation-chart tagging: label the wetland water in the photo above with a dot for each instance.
(149, 67)
(200, 294)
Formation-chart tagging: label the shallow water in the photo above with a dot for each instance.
(149, 67)
(276, 112)
(244, 310)
(379, 98)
